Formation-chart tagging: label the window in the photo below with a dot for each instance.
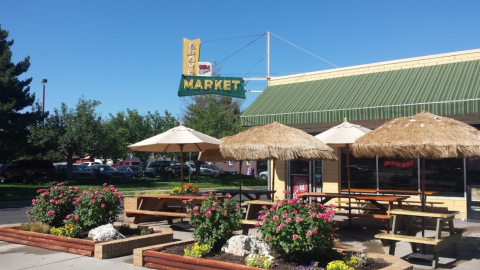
(230, 162)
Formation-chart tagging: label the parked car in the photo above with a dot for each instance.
(263, 175)
(78, 172)
(86, 164)
(177, 169)
(6, 165)
(131, 171)
(159, 169)
(125, 163)
(27, 170)
(104, 171)
(212, 170)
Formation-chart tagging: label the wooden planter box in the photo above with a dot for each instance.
(90, 248)
(151, 257)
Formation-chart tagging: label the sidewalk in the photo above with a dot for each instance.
(16, 257)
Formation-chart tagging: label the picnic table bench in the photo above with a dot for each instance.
(251, 194)
(251, 217)
(438, 242)
(163, 205)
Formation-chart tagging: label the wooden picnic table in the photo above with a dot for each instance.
(164, 205)
(396, 192)
(251, 194)
(438, 242)
(380, 212)
(251, 217)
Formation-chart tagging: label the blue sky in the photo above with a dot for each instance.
(128, 54)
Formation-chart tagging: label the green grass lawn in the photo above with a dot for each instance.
(19, 192)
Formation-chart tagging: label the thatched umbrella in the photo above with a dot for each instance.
(423, 135)
(275, 141)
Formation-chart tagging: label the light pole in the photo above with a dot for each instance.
(43, 81)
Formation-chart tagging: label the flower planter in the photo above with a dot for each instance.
(152, 257)
(90, 248)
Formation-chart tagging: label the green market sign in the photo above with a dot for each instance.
(197, 85)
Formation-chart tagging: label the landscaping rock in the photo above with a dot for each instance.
(242, 245)
(105, 233)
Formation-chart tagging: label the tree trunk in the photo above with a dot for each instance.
(69, 165)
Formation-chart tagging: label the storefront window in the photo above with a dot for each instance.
(446, 176)
(398, 173)
(318, 184)
(362, 171)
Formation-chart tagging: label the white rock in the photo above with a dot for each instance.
(105, 233)
(242, 245)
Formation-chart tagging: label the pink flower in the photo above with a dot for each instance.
(286, 191)
(281, 225)
(208, 213)
(57, 202)
(195, 213)
(104, 184)
(319, 215)
(40, 190)
(237, 207)
(288, 220)
(270, 238)
(314, 198)
(298, 219)
(228, 196)
(275, 218)
(28, 211)
(278, 228)
(91, 195)
(295, 237)
(295, 212)
(257, 224)
(69, 216)
(225, 214)
(285, 215)
(215, 204)
(103, 205)
(195, 208)
(204, 197)
(76, 218)
(94, 201)
(51, 200)
(100, 195)
(309, 233)
(76, 188)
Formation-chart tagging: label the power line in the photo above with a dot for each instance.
(239, 50)
(254, 66)
(298, 47)
(222, 39)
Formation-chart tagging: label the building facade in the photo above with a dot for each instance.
(368, 95)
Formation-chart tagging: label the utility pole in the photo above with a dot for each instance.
(268, 58)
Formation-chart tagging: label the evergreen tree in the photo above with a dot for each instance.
(15, 98)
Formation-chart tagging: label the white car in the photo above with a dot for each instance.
(263, 175)
(86, 164)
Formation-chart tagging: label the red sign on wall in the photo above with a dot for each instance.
(300, 184)
(398, 164)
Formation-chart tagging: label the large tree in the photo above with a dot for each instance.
(15, 98)
(70, 132)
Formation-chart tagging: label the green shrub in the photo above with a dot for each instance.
(96, 207)
(214, 222)
(69, 230)
(53, 205)
(295, 229)
(35, 227)
(197, 250)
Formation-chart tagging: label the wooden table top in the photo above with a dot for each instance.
(245, 191)
(390, 191)
(388, 198)
(446, 214)
(257, 202)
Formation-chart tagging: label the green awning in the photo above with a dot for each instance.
(445, 89)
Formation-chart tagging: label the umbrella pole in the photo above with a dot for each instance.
(348, 181)
(181, 167)
(423, 196)
(240, 180)
(273, 180)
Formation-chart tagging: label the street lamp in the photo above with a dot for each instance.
(43, 81)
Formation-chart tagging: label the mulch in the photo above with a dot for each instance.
(280, 263)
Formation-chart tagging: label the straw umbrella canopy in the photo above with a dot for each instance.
(178, 139)
(275, 141)
(423, 135)
(343, 135)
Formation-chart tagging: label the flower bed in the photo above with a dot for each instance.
(90, 248)
(154, 257)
